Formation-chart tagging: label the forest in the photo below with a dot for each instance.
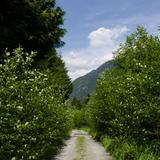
(35, 113)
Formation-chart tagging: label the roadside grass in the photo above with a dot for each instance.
(121, 149)
(128, 150)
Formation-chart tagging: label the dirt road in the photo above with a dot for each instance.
(81, 146)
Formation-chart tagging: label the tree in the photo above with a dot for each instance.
(126, 102)
(76, 103)
(34, 119)
(86, 99)
(33, 24)
(36, 26)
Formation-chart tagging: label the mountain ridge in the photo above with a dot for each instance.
(86, 84)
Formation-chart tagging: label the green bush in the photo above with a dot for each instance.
(78, 118)
(126, 104)
(126, 101)
(33, 119)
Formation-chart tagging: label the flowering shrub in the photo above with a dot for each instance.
(127, 98)
(33, 118)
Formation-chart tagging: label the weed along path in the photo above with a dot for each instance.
(81, 146)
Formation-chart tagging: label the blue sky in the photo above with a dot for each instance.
(95, 28)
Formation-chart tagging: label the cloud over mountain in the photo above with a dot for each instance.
(102, 42)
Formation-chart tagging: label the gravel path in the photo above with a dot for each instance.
(81, 146)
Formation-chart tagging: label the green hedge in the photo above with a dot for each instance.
(33, 119)
(127, 99)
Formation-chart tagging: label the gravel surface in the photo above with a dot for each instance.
(81, 146)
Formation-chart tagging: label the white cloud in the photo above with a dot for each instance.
(102, 42)
(105, 37)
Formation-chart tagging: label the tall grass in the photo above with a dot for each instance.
(129, 149)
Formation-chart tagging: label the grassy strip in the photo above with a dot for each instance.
(80, 148)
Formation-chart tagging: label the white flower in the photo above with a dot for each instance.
(26, 123)
(33, 139)
(19, 108)
(8, 54)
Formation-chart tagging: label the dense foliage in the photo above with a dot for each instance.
(33, 117)
(34, 24)
(127, 103)
(34, 84)
(78, 110)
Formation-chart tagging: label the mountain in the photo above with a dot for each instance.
(86, 84)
